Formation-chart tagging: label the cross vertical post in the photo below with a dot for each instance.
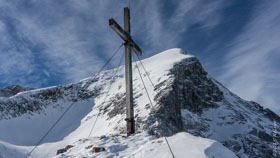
(128, 76)
(129, 43)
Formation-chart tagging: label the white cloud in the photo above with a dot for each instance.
(252, 65)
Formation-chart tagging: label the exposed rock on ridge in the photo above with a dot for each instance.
(13, 90)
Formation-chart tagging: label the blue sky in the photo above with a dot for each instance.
(51, 42)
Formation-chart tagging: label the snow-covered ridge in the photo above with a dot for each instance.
(185, 97)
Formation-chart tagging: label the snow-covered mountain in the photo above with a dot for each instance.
(199, 115)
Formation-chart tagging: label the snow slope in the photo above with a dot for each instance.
(141, 145)
(185, 98)
(144, 145)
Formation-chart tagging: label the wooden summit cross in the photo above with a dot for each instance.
(128, 42)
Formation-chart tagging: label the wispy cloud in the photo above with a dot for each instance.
(16, 58)
(72, 43)
(163, 26)
(66, 41)
(252, 65)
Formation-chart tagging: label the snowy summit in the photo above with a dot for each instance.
(198, 115)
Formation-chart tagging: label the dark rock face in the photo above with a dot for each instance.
(189, 89)
(13, 90)
(194, 90)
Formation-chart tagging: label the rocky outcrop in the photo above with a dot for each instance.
(60, 151)
(13, 90)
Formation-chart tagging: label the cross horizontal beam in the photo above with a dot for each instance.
(117, 28)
